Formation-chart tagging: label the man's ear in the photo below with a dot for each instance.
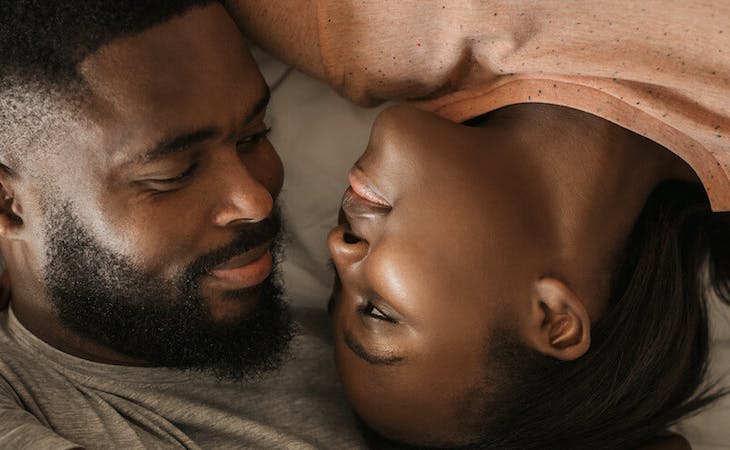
(557, 324)
(10, 209)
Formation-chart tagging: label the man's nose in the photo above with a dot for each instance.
(243, 198)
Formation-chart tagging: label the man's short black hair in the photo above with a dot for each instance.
(42, 43)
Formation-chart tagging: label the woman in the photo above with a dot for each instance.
(536, 286)
(531, 281)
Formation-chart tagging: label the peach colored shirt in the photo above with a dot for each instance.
(660, 68)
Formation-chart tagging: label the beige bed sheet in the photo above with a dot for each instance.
(319, 135)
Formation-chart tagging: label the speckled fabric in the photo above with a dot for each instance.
(658, 67)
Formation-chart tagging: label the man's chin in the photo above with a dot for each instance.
(186, 323)
(233, 307)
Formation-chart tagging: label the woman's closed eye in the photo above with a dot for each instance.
(372, 311)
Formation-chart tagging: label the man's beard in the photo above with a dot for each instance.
(107, 299)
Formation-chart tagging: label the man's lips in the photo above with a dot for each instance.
(245, 270)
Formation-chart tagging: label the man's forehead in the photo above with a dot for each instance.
(191, 71)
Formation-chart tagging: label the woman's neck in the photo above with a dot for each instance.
(596, 178)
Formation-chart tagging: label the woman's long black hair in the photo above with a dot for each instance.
(647, 364)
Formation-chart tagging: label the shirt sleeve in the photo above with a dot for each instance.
(20, 430)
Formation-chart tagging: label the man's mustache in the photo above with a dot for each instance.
(249, 237)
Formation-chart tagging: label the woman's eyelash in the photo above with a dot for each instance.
(371, 310)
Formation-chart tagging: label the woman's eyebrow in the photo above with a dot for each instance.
(363, 354)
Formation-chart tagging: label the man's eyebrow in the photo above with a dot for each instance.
(360, 351)
(260, 105)
(179, 143)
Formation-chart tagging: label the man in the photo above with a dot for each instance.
(139, 230)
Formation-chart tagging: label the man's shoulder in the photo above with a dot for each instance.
(17, 354)
(22, 369)
(13, 356)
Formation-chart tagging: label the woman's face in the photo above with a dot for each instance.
(432, 254)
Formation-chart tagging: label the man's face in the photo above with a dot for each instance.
(172, 186)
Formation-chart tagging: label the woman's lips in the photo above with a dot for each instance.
(355, 205)
(362, 218)
(362, 187)
(246, 270)
(363, 208)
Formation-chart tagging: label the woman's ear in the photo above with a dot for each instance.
(10, 209)
(557, 324)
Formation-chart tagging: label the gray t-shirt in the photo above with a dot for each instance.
(52, 400)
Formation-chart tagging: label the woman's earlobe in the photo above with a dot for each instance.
(565, 332)
(560, 326)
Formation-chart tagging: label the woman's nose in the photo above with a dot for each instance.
(346, 249)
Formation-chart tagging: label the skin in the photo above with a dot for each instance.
(472, 230)
(160, 213)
